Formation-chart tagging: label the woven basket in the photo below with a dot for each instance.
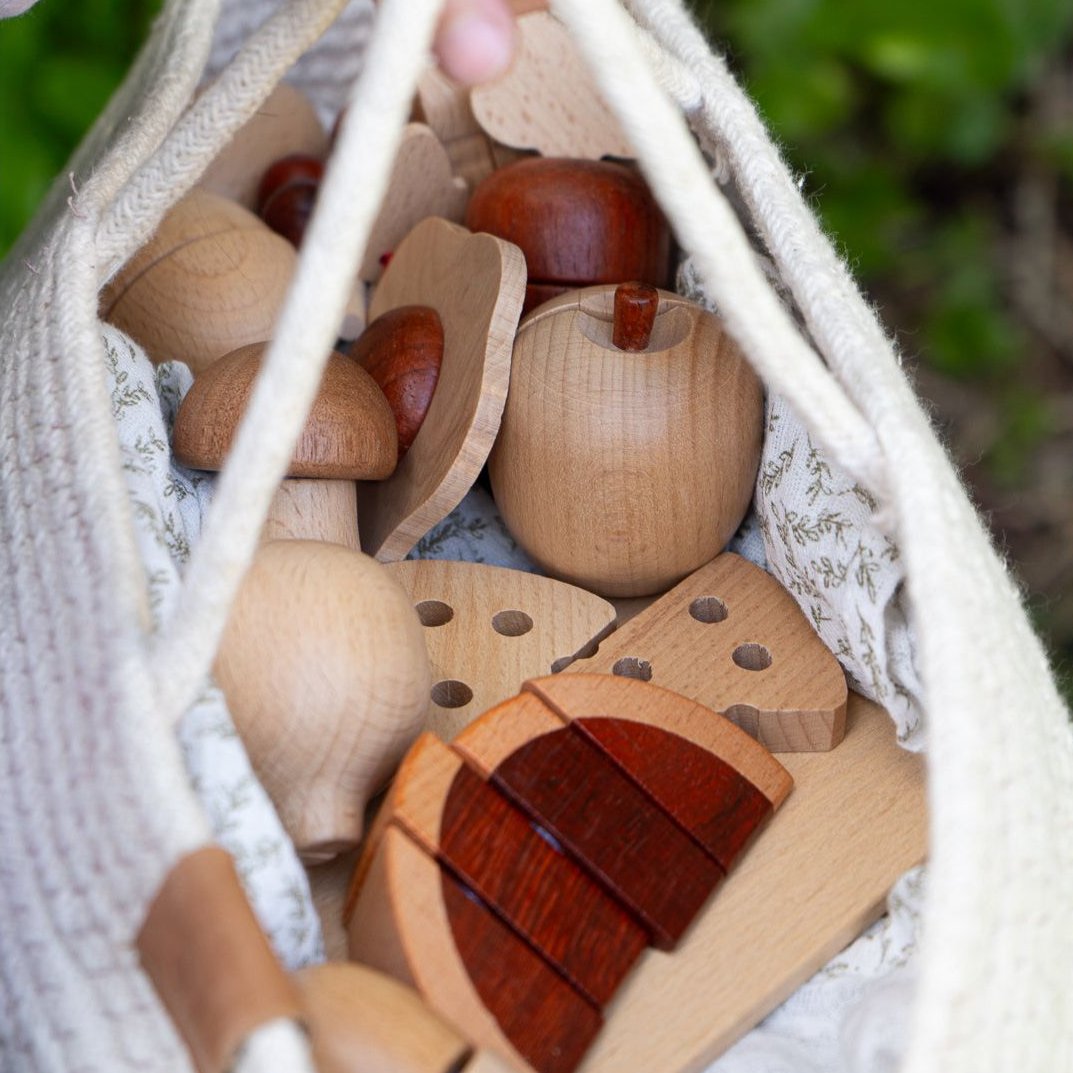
(97, 806)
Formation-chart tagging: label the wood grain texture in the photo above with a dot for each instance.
(492, 628)
(421, 185)
(581, 696)
(348, 435)
(314, 510)
(543, 895)
(604, 821)
(549, 1023)
(361, 1021)
(475, 283)
(548, 100)
(623, 472)
(445, 108)
(397, 923)
(212, 279)
(578, 222)
(494, 851)
(704, 795)
(816, 880)
(402, 350)
(796, 704)
(329, 882)
(209, 960)
(285, 123)
(324, 668)
(636, 306)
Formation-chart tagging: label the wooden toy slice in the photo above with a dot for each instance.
(596, 812)
(548, 100)
(361, 1021)
(490, 628)
(421, 185)
(495, 851)
(731, 637)
(476, 284)
(414, 921)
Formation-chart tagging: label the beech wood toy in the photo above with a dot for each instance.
(488, 628)
(819, 875)
(348, 436)
(548, 100)
(475, 283)
(623, 470)
(211, 279)
(731, 637)
(578, 222)
(402, 350)
(361, 1021)
(517, 876)
(324, 668)
(421, 185)
(285, 124)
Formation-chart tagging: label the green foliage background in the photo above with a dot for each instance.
(917, 128)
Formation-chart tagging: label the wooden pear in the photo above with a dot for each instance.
(324, 667)
(623, 470)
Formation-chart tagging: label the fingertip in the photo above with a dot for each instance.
(477, 44)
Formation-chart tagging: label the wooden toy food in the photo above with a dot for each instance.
(287, 193)
(488, 628)
(348, 437)
(361, 1021)
(475, 283)
(324, 668)
(732, 638)
(818, 875)
(402, 350)
(578, 222)
(517, 876)
(624, 470)
(211, 279)
(548, 100)
(285, 124)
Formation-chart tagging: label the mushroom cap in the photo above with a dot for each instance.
(349, 434)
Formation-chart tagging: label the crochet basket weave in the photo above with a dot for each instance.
(96, 806)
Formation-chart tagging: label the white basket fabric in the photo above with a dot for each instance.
(97, 802)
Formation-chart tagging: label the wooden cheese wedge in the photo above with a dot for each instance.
(731, 637)
(489, 628)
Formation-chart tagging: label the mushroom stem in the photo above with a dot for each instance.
(308, 509)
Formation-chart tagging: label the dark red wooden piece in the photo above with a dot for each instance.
(612, 828)
(402, 350)
(287, 193)
(540, 892)
(578, 222)
(718, 806)
(636, 305)
(549, 1022)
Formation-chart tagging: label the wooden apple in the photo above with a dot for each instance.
(578, 222)
(624, 468)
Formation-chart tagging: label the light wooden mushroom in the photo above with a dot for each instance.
(349, 436)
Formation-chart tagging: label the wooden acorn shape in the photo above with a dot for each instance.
(578, 222)
(211, 279)
(349, 436)
(623, 470)
(402, 350)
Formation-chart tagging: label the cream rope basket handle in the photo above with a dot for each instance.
(994, 986)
